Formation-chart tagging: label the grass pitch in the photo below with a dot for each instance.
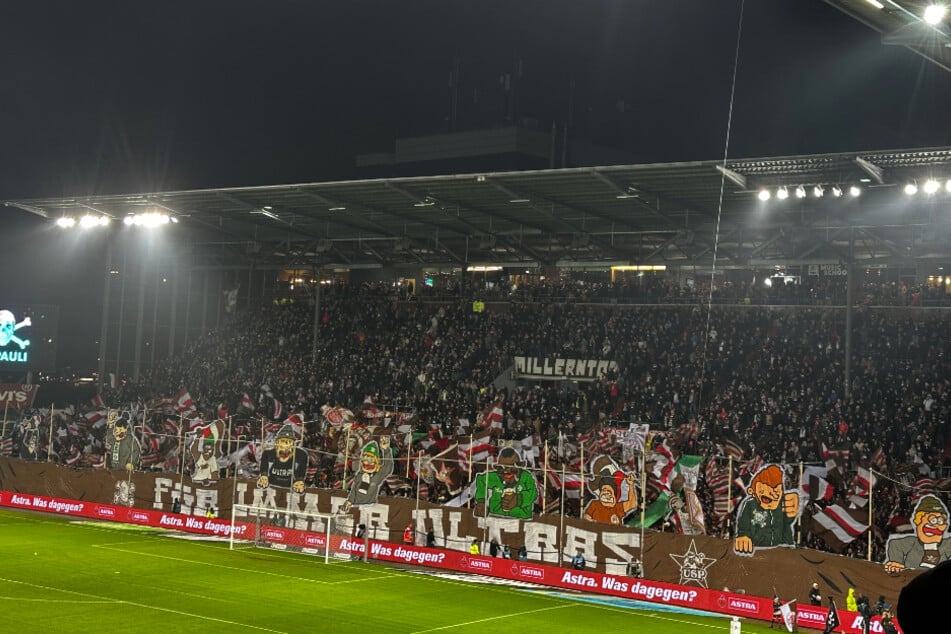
(65, 575)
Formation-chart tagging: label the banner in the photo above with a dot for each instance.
(17, 395)
(618, 585)
(557, 369)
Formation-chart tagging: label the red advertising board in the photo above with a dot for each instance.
(696, 598)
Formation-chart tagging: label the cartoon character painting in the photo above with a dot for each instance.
(284, 465)
(204, 450)
(615, 492)
(765, 518)
(928, 545)
(122, 447)
(509, 490)
(376, 465)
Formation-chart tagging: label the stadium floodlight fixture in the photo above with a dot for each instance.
(782, 193)
(876, 4)
(763, 194)
(837, 191)
(911, 188)
(932, 186)
(800, 192)
(65, 222)
(855, 191)
(818, 192)
(90, 221)
(935, 13)
(148, 220)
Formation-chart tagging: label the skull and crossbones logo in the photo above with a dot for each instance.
(8, 326)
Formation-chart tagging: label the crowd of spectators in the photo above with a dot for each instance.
(770, 379)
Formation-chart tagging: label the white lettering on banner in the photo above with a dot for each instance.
(17, 395)
(498, 527)
(828, 269)
(614, 541)
(576, 537)
(663, 594)
(614, 585)
(743, 605)
(577, 579)
(410, 555)
(549, 369)
(542, 538)
(529, 571)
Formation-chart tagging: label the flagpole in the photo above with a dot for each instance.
(729, 495)
(871, 485)
(545, 481)
(643, 506)
(346, 460)
(49, 449)
(799, 517)
(561, 529)
(471, 440)
(5, 407)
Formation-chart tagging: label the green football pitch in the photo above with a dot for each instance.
(67, 575)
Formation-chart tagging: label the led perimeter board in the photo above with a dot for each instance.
(28, 337)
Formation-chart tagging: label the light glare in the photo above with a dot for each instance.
(911, 189)
(763, 194)
(934, 13)
(931, 186)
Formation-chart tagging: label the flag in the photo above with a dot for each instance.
(835, 457)
(838, 527)
(732, 448)
(492, 417)
(278, 409)
(296, 423)
(878, 459)
(814, 485)
(832, 618)
(246, 402)
(635, 436)
(864, 481)
(789, 617)
(184, 402)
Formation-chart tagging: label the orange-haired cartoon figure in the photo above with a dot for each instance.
(765, 518)
(615, 493)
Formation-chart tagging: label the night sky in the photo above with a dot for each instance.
(113, 97)
(106, 97)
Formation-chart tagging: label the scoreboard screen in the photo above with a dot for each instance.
(28, 337)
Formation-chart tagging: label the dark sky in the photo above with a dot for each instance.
(101, 97)
(111, 97)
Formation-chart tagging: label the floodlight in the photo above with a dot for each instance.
(763, 194)
(88, 222)
(817, 191)
(876, 4)
(837, 191)
(854, 191)
(947, 185)
(911, 189)
(782, 193)
(934, 13)
(65, 222)
(931, 186)
(800, 192)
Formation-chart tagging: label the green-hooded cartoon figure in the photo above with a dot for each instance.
(509, 490)
(376, 465)
(928, 545)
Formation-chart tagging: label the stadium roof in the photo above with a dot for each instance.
(669, 214)
(901, 23)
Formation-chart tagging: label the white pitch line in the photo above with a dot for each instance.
(207, 563)
(251, 570)
(495, 618)
(56, 601)
(142, 605)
